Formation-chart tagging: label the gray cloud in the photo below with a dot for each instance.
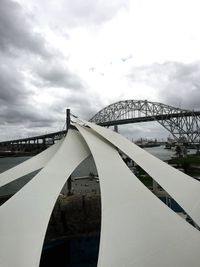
(78, 13)
(19, 107)
(56, 74)
(23, 76)
(177, 83)
(17, 32)
(12, 89)
(26, 78)
(81, 104)
(17, 104)
(25, 115)
(94, 12)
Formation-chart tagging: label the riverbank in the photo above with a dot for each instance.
(189, 164)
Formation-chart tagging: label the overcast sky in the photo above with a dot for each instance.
(86, 54)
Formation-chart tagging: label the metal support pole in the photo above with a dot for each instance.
(116, 128)
(67, 119)
(69, 181)
(69, 186)
(43, 143)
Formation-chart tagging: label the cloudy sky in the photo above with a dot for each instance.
(86, 54)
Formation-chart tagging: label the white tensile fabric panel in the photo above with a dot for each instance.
(35, 163)
(137, 229)
(183, 188)
(24, 217)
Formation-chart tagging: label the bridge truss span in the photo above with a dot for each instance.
(183, 124)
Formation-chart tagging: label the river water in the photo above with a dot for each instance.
(9, 162)
(84, 169)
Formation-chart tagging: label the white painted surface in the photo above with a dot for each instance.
(24, 217)
(183, 188)
(33, 164)
(137, 230)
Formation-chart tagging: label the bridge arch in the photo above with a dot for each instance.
(183, 124)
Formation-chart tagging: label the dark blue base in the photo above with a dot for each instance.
(77, 252)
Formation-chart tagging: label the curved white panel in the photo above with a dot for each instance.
(184, 189)
(33, 164)
(24, 217)
(137, 230)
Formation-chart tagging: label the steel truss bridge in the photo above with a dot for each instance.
(184, 125)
